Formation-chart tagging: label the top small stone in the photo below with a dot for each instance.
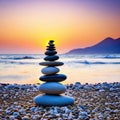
(51, 41)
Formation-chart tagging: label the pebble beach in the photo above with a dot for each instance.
(92, 102)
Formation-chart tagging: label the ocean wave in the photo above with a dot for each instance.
(111, 57)
(19, 63)
(66, 62)
(18, 58)
(96, 62)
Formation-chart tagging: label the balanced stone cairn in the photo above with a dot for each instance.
(52, 88)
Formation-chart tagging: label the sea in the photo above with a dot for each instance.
(83, 68)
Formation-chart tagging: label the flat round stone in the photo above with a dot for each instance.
(53, 100)
(52, 88)
(50, 52)
(53, 78)
(51, 49)
(50, 70)
(51, 63)
(51, 46)
(51, 58)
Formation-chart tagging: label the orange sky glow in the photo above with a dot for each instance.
(27, 25)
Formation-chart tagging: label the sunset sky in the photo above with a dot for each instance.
(27, 25)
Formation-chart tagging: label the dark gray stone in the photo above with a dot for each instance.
(51, 49)
(51, 58)
(50, 52)
(51, 46)
(53, 78)
(53, 100)
(51, 63)
(52, 88)
(51, 42)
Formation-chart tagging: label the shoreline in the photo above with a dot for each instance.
(92, 101)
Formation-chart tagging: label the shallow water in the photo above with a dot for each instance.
(83, 68)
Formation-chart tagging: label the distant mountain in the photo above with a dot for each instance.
(108, 45)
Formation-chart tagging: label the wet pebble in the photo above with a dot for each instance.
(98, 101)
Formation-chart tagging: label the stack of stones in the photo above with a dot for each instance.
(52, 88)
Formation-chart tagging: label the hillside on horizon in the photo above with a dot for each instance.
(106, 46)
